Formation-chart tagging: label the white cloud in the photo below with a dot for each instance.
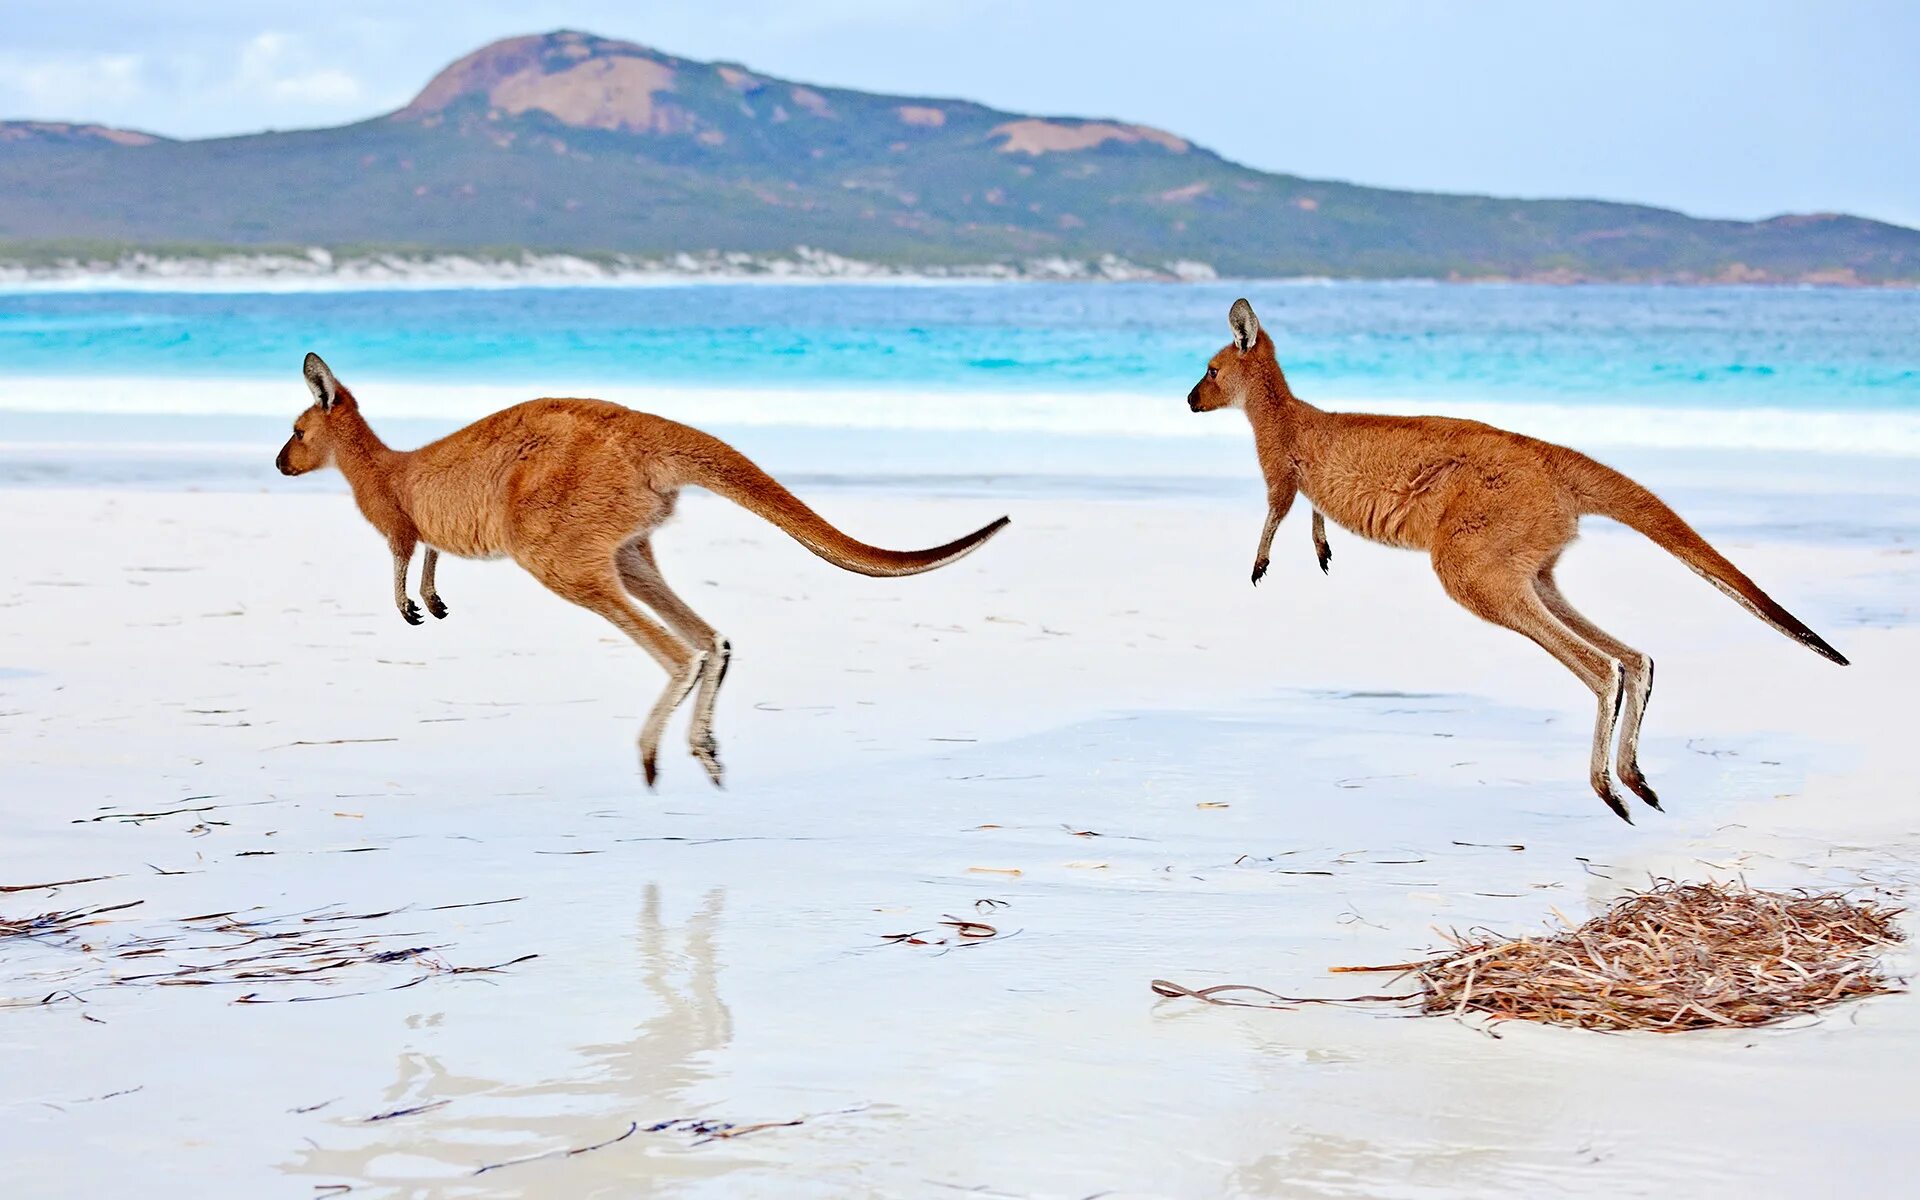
(69, 87)
(270, 63)
(263, 79)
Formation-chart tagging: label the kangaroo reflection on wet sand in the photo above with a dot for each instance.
(650, 1076)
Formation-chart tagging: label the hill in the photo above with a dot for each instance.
(567, 142)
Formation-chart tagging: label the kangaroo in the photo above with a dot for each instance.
(1493, 509)
(573, 490)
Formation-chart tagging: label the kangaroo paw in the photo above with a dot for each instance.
(410, 613)
(437, 607)
(650, 765)
(1613, 801)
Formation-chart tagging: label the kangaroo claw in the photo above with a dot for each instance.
(437, 607)
(1638, 787)
(715, 771)
(411, 614)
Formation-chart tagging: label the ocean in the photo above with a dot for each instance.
(949, 381)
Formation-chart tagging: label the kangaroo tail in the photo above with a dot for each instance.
(1605, 492)
(705, 461)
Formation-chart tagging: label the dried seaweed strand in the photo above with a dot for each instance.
(564, 1152)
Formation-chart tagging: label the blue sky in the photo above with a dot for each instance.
(1719, 109)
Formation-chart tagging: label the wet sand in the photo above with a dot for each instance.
(1093, 735)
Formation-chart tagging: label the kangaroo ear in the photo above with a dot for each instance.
(320, 380)
(1246, 326)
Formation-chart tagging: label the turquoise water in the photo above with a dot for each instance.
(1697, 348)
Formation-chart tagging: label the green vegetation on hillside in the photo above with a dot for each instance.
(565, 142)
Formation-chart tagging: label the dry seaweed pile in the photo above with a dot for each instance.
(1676, 957)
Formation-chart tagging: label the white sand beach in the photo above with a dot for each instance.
(1093, 735)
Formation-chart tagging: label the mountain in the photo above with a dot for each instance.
(65, 133)
(567, 142)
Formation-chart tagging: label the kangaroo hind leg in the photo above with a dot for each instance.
(641, 576)
(1498, 594)
(1637, 668)
(598, 588)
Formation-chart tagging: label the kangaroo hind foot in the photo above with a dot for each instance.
(1519, 601)
(1636, 670)
(700, 739)
(679, 686)
(640, 575)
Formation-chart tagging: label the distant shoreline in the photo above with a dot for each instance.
(319, 268)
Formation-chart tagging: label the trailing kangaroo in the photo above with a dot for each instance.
(572, 490)
(1493, 509)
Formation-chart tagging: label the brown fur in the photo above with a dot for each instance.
(1493, 510)
(572, 490)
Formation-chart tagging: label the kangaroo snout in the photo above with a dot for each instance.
(1193, 399)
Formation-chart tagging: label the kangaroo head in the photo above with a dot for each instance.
(1232, 373)
(312, 444)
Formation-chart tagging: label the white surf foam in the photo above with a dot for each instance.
(319, 270)
(1874, 432)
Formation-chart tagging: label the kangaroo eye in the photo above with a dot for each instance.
(1212, 371)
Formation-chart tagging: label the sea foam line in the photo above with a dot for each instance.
(318, 269)
(1873, 432)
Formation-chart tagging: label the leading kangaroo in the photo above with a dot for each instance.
(1493, 509)
(572, 490)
